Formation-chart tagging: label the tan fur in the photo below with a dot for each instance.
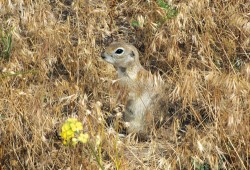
(143, 87)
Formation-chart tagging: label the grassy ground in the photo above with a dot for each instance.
(51, 70)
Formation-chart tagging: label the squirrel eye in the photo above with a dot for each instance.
(119, 51)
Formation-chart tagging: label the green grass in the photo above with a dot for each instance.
(171, 12)
(5, 44)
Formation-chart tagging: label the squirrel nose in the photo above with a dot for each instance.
(103, 55)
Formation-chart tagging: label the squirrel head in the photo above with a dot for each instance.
(121, 55)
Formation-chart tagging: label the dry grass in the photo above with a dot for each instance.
(54, 72)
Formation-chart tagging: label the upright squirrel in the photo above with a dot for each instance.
(143, 87)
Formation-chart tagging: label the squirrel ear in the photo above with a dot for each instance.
(132, 54)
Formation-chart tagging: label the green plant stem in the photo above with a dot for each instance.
(96, 156)
(18, 73)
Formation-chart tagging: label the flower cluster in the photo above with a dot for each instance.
(72, 132)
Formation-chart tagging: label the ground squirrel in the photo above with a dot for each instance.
(142, 86)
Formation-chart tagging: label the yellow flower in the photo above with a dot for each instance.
(73, 126)
(83, 138)
(65, 127)
(72, 120)
(79, 126)
(71, 132)
(74, 141)
(64, 135)
(65, 142)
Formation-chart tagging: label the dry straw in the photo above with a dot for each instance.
(51, 70)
